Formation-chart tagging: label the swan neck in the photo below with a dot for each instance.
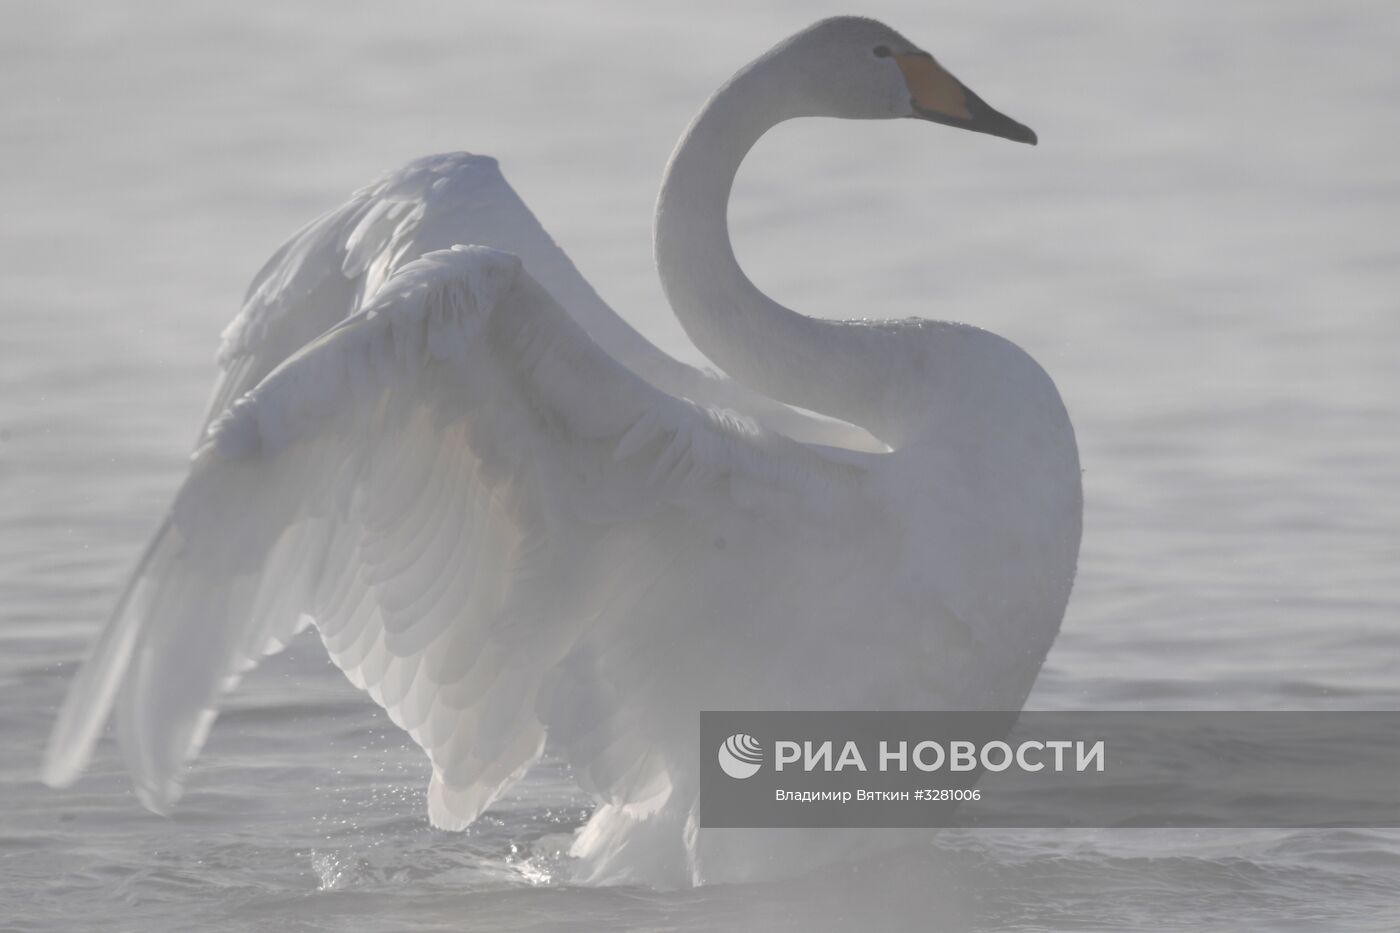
(840, 369)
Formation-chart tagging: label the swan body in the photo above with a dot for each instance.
(513, 521)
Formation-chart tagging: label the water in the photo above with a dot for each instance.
(1202, 251)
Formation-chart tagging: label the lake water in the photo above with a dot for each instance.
(1203, 251)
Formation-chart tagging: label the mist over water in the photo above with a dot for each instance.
(1201, 251)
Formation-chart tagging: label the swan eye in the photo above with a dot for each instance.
(882, 51)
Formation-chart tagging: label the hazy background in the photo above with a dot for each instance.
(1202, 251)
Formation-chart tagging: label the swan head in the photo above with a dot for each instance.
(860, 69)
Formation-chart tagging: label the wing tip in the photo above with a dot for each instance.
(160, 798)
(62, 765)
(93, 690)
(454, 815)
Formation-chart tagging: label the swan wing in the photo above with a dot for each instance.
(457, 486)
(329, 269)
(332, 267)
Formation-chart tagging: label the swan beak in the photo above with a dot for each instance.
(938, 96)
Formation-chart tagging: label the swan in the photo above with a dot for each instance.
(511, 519)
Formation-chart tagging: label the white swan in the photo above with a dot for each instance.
(509, 520)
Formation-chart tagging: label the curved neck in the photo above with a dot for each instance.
(845, 369)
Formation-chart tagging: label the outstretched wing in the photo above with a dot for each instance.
(331, 268)
(455, 485)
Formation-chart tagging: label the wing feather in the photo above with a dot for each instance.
(457, 485)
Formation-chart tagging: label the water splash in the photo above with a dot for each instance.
(331, 869)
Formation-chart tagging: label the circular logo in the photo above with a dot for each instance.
(740, 756)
